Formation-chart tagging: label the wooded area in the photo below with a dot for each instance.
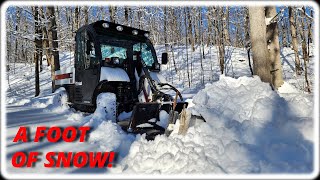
(36, 31)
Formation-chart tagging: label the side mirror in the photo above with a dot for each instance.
(164, 58)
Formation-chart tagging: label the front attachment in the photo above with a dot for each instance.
(145, 116)
(143, 120)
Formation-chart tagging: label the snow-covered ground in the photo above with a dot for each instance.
(249, 128)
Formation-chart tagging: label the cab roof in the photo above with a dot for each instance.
(108, 28)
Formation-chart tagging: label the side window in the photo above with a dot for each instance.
(82, 50)
(85, 50)
(146, 53)
(89, 51)
(79, 51)
(109, 51)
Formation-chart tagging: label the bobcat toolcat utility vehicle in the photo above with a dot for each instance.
(118, 59)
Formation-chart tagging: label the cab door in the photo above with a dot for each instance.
(86, 65)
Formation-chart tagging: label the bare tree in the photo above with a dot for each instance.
(225, 23)
(294, 41)
(126, 14)
(274, 47)
(187, 41)
(165, 28)
(17, 28)
(201, 45)
(38, 44)
(53, 43)
(86, 15)
(76, 22)
(209, 26)
(310, 30)
(45, 40)
(284, 34)
(220, 37)
(261, 64)
(304, 51)
(247, 38)
(190, 36)
(112, 12)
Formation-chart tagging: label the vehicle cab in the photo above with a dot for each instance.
(108, 59)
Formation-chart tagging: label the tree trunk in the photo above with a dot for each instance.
(209, 26)
(220, 37)
(37, 42)
(86, 15)
(274, 48)
(141, 16)
(16, 57)
(186, 27)
(304, 52)
(53, 43)
(294, 41)
(310, 36)
(261, 64)
(247, 43)
(195, 25)
(191, 39)
(126, 15)
(201, 45)
(247, 28)
(101, 12)
(284, 34)
(238, 36)
(69, 23)
(226, 26)
(112, 13)
(165, 29)
(45, 41)
(76, 18)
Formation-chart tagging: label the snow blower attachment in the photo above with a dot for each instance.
(112, 58)
(146, 115)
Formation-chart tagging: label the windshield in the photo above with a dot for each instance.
(146, 53)
(122, 49)
(109, 51)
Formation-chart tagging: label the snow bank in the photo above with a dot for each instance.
(56, 102)
(249, 129)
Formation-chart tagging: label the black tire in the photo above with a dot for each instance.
(105, 87)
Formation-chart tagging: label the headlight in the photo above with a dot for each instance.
(146, 35)
(105, 25)
(135, 32)
(119, 28)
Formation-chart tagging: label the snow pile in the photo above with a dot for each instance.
(56, 102)
(106, 109)
(104, 131)
(110, 137)
(287, 88)
(249, 129)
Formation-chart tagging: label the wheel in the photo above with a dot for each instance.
(106, 106)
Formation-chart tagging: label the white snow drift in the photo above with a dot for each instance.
(249, 129)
